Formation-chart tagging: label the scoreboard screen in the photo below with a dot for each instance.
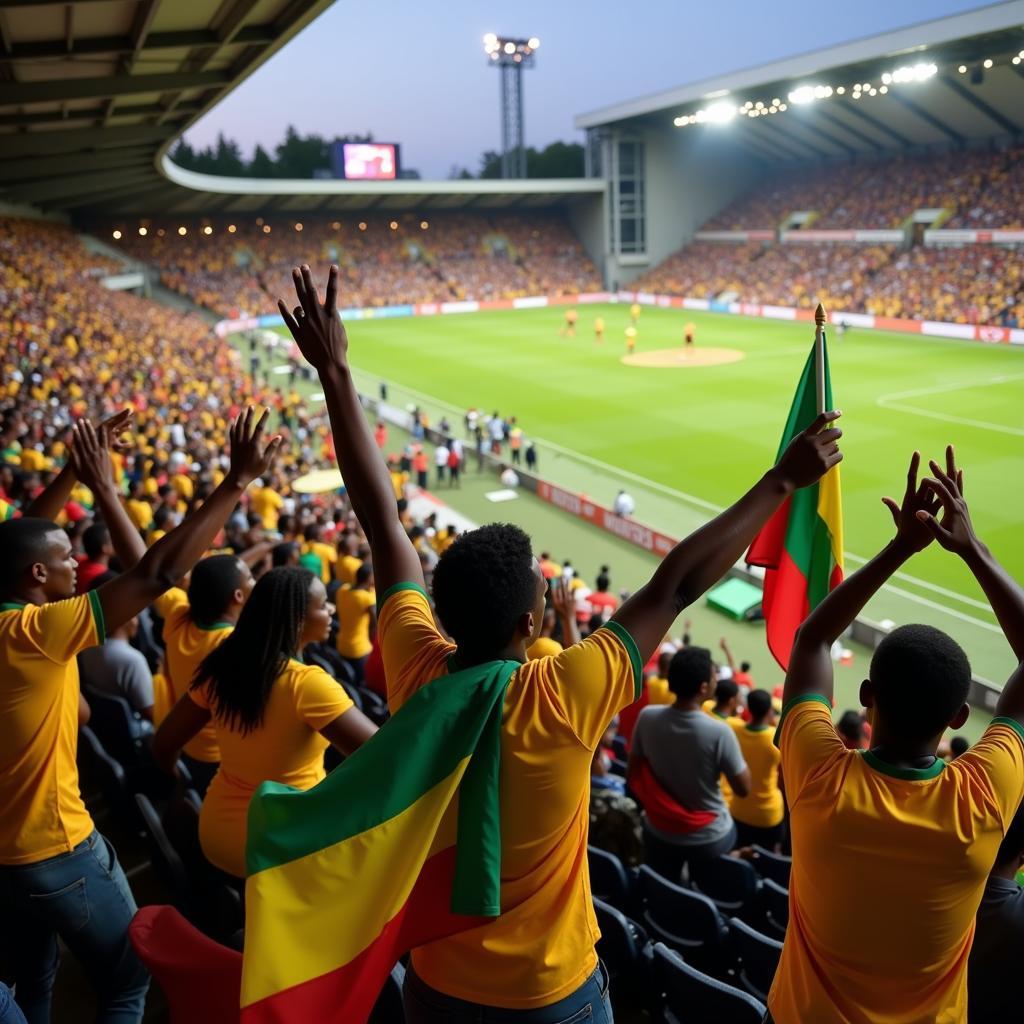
(369, 161)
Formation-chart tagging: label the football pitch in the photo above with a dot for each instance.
(688, 437)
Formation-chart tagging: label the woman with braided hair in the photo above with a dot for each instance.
(274, 715)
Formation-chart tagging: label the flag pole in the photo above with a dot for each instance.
(820, 316)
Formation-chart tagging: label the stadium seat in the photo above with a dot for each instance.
(732, 883)
(168, 865)
(775, 908)
(684, 920)
(389, 1008)
(609, 879)
(771, 865)
(200, 978)
(119, 729)
(374, 706)
(756, 958)
(690, 997)
(618, 767)
(107, 771)
(620, 947)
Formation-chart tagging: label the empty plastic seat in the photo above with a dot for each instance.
(730, 882)
(621, 943)
(106, 770)
(691, 996)
(684, 920)
(756, 958)
(609, 879)
(772, 865)
(166, 862)
(120, 730)
(774, 909)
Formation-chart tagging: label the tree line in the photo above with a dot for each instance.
(309, 156)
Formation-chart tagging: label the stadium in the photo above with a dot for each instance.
(208, 634)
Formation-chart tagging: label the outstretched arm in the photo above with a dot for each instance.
(321, 337)
(167, 561)
(92, 466)
(700, 560)
(956, 533)
(49, 502)
(810, 664)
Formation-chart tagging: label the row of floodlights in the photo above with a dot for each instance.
(498, 47)
(722, 111)
(207, 229)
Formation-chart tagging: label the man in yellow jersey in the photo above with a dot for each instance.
(267, 504)
(689, 333)
(58, 875)
(490, 595)
(630, 339)
(759, 814)
(569, 329)
(892, 846)
(325, 554)
(725, 703)
(598, 328)
(194, 624)
(634, 312)
(357, 620)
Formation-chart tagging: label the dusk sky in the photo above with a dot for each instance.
(416, 74)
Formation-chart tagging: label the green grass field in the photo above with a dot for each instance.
(686, 441)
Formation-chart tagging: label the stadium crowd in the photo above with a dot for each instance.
(970, 284)
(238, 269)
(147, 500)
(977, 188)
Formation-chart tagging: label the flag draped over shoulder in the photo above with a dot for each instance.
(397, 847)
(801, 546)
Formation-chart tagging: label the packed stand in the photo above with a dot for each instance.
(979, 188)
(383, 262)
(726, 848)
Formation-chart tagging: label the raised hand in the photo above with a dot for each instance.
(955, 531)
(561, 597)
(249, 459)
(911, 529)
(811, 453)
(315, 326)
(89, 457)
(115, 426)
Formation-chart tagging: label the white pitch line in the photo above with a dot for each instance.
(708, 506)
(893, 401)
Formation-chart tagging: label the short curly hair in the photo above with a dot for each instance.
(921, 678)
(483, 584)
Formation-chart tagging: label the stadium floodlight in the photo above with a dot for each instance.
(917, 73)
(511, 55)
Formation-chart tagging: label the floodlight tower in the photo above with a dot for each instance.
(511, 56)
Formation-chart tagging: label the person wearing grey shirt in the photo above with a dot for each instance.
(118, 669)
(992, 996)
(687, 751)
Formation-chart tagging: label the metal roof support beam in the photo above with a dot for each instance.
(854, 108)
(849, 129)
(81, 139)
(818, 132)
(103, 88)
(778, 141)
(129, 206)
(41, 166)
(252, 35)
(916, 108)
(979, 104)
(75, 184)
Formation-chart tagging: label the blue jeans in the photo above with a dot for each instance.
(84, 897)
(9, 1012)
(589, 1004)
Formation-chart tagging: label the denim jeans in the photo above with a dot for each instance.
(84, 897)
(668, 859)
(9, 1012)
(589, 1004)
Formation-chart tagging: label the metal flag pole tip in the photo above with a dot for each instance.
(820, 318)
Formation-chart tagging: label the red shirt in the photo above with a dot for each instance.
(88, 570)
(601, 599)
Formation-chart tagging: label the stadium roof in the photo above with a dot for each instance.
(949, 107)
(90, 92)
(94, 92)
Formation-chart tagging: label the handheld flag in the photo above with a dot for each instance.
(397, 847)
(801, 546)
